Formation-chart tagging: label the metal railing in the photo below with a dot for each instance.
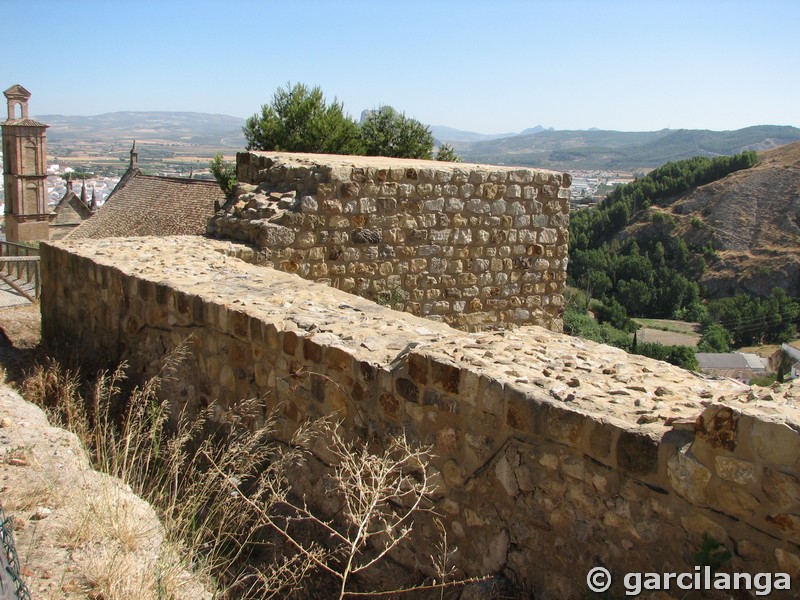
(19, 268)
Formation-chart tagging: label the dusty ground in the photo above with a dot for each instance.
(21, 325)
(79, 533)
(19, 339)
(668, 338)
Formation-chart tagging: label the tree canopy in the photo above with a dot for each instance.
(653, 274)
(299, 119)
(225, 173)
(386, 132)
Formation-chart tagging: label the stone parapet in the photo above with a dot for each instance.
(553, 454)
(472, 246)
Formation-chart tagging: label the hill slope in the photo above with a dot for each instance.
(752, 218)
(746, 226)
(623, 151)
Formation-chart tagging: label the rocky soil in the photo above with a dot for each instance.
(752, 218)
(79, 533)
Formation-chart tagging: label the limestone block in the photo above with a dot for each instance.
(387, 189)
(498, 207)
(504, 470)
(563, 425)
(308, 204)
(491, 396)
(466, 190)
(462, 236)
(453, 474)
(477, 206)
(788, 562)
(441, 307)
(750, 551)
(788, 524)
(351, 255)
(495, 553)
(434, 205)
(429, 250)
(718, 427)
(332, 206)
(515, 209)
(733, 469)
(274, 236)
(305, 239)
(523, 412)
(734, 500)
(366, 236)
(781, 488)
(776, 443)
(445, 376)
(548, 236)
(424, 190)
(453, 204)
(688, 477)
(440, 236)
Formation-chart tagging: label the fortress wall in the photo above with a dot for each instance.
(468, 245)
(553, 454)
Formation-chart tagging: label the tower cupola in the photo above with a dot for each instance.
(17, 97)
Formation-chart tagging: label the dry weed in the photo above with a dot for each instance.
(221, 483)
(112, 516)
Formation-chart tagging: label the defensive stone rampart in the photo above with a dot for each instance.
(554, 455)
(468, 245)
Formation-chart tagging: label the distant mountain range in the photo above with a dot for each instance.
(447, 134)
(616, 150)
(179, 127)
(536, 147)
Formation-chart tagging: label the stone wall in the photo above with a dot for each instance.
(554, 455)
(468, 245)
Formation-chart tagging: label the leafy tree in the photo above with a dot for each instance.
(695, 311)
(614, 313)
(225, 173)
(386, 132)
(715, 339)
(298, 119)
(635, 295)
(680, 356)
(446, 153)
(578, 322)
(756, 320)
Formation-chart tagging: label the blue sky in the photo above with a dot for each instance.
(490, 66)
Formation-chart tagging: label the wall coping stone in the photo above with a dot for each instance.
(595, 379)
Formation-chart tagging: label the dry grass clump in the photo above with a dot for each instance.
(221, 483)
(166, 460)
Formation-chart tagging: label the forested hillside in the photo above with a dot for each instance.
(649, 248)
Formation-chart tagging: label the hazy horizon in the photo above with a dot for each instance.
(620, 65)
(437, 125)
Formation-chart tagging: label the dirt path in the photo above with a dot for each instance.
(20, 334)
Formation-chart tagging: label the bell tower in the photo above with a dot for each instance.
(24, 171)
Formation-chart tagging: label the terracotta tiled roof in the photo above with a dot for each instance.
(159, 206)
(25, 123)
(71, 209)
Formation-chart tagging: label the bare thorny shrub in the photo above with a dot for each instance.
(221, 482)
